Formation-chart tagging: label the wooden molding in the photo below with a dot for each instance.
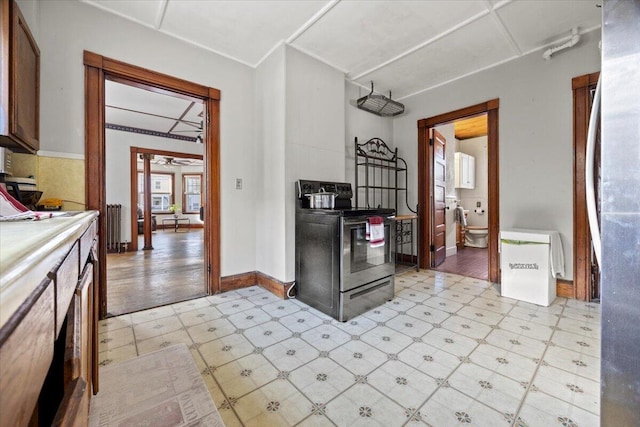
(273, 285)
(425, 179)
(565, 288)
(238, 281)
(244, 280)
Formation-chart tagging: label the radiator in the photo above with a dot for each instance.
(114, 228)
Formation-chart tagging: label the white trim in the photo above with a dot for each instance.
(317, 58)
(161, 13)
(453, 250)
(60, 155)
(268, 54)
(315, 18)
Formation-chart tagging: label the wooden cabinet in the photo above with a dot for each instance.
(48, 347)
(465, 176)
(19, 82)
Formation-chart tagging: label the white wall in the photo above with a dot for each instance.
(536, 154)
(118, 168)
(364, 126)
(476, 147)
(67, 28)
(270, 165)
(31, 12)
(315, 129)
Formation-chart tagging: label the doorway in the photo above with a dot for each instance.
(97, 70)
(427, 178)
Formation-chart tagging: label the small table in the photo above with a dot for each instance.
(176, 223)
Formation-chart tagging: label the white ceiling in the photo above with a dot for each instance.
(402, 46)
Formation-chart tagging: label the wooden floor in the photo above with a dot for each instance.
(173, 271)
(471, 262)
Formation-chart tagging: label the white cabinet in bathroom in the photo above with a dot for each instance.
(465, 166)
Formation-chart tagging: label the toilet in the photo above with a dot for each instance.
(475, 237)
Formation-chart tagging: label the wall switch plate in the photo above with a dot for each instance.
(478, 204)
(238, 183)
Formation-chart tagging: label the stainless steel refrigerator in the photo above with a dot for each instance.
(620, 213)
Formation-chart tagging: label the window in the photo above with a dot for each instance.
(161, 194)
(192, 193)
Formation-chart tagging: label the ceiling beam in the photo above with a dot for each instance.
(149, 132)
(315, 18)
(179, 120)
(188, 122)
(161, 13)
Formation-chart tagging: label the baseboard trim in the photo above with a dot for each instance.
(238, 281)
(273, 285)
(565, 288)
(245, 280)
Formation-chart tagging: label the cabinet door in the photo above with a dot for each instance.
(25, 83)
(84, 306)
(471, 172)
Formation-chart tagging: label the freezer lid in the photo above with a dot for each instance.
(521, 236)
(526, 235)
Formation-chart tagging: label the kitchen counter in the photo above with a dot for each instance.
(29, 250)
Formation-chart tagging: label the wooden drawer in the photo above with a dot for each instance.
(86, 243)
(25, 355)
(65, 278)
(74, 409)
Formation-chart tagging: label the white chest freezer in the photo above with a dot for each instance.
(530, 261)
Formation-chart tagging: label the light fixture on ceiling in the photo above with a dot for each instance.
(575, 38)
(380, 105)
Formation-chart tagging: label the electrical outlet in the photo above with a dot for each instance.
(478, 204)
(238, 183)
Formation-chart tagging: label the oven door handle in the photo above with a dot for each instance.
(364, 219)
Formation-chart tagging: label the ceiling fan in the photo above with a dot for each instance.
(171, 161)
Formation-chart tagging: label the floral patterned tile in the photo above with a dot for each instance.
(493, 292)
(267, 334)
(225, 349)
(400, 304)
(462, 325)
(429, 314)
(592, 316)
(362, 405)
(356, 326)
(112, 339)
(425, 287)
(223, 297)
(251, 291)
(113, 323)
(502, 306)
(321, 380)
(386, 340)
(199, 315)
(325, 337)
(580, 327)
(454, 295)
(481, 315)
(584, 305)
(236, 306)
(540, 409)
(467, 289)
(264, 298)
(163, 341)
(381, 314)
(280, 308)
(475, 282)
(209, 331)
(409, 325)
(488, 387)
(194, 304)
(511, 365)
(301, 321)
(358, 357)
(577, 343)
(573, 362)
(443, 304)
(117, 354)
(249, 318)
(534, 315)
(527, 328)
(412, 294)
(556, 306)
(275, 404)
(152, 314)
(449, 407)
(244, 375)
(404, 281)
(289, 354)
(402, 383)
(225, 406)
(517, 343)
(157, 327)
(450, 342)
(430, 360)
(316, 419)
(571, 388)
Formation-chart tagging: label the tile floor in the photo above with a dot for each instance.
(446, 351)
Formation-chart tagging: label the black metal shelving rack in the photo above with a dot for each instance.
(384, 173)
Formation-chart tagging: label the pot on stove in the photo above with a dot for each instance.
(322, 199)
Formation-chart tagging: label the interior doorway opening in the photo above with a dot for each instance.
(98, 70)
(432, 193)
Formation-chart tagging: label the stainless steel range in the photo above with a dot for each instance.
(345, 255)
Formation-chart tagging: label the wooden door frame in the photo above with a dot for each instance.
(97, 69)
(134, 152)
(581, 232)
(425, 180)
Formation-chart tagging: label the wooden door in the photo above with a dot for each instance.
(438, 231)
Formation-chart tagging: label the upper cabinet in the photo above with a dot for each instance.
(465, 166)
(19, 82)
